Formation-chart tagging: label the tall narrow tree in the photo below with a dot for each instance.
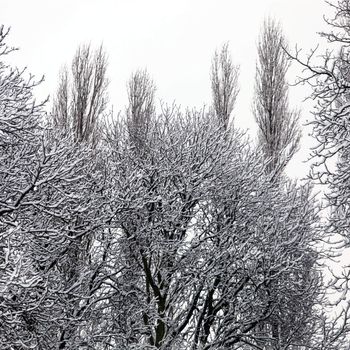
(224, 84)
(279, 132)
(279, 135)
(81, 97)
(78, 107)
(141, 108)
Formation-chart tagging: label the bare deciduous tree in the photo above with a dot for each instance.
(48, 209)
(203, 238)
(328, 76)
(189, 245)
(224, 84)
(82, 96)
(279, 135)
(61, 107)
(279, 132)
(141, 109)
(79, 104)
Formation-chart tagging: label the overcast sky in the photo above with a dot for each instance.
(174, 40)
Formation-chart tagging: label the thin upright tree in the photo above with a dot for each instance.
(78, 107)
(141, 91)
(279, 133)
(81, 96)
(224, 84)
(278, 137)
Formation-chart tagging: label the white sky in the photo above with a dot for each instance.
(174, 40)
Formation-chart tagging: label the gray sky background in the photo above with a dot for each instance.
(174, 40)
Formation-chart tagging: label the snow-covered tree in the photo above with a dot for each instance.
(180, 241)
(328, 76)
(50, 203)
(204, 237)
(278, 137)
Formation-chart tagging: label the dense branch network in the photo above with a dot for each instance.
(165, 230)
